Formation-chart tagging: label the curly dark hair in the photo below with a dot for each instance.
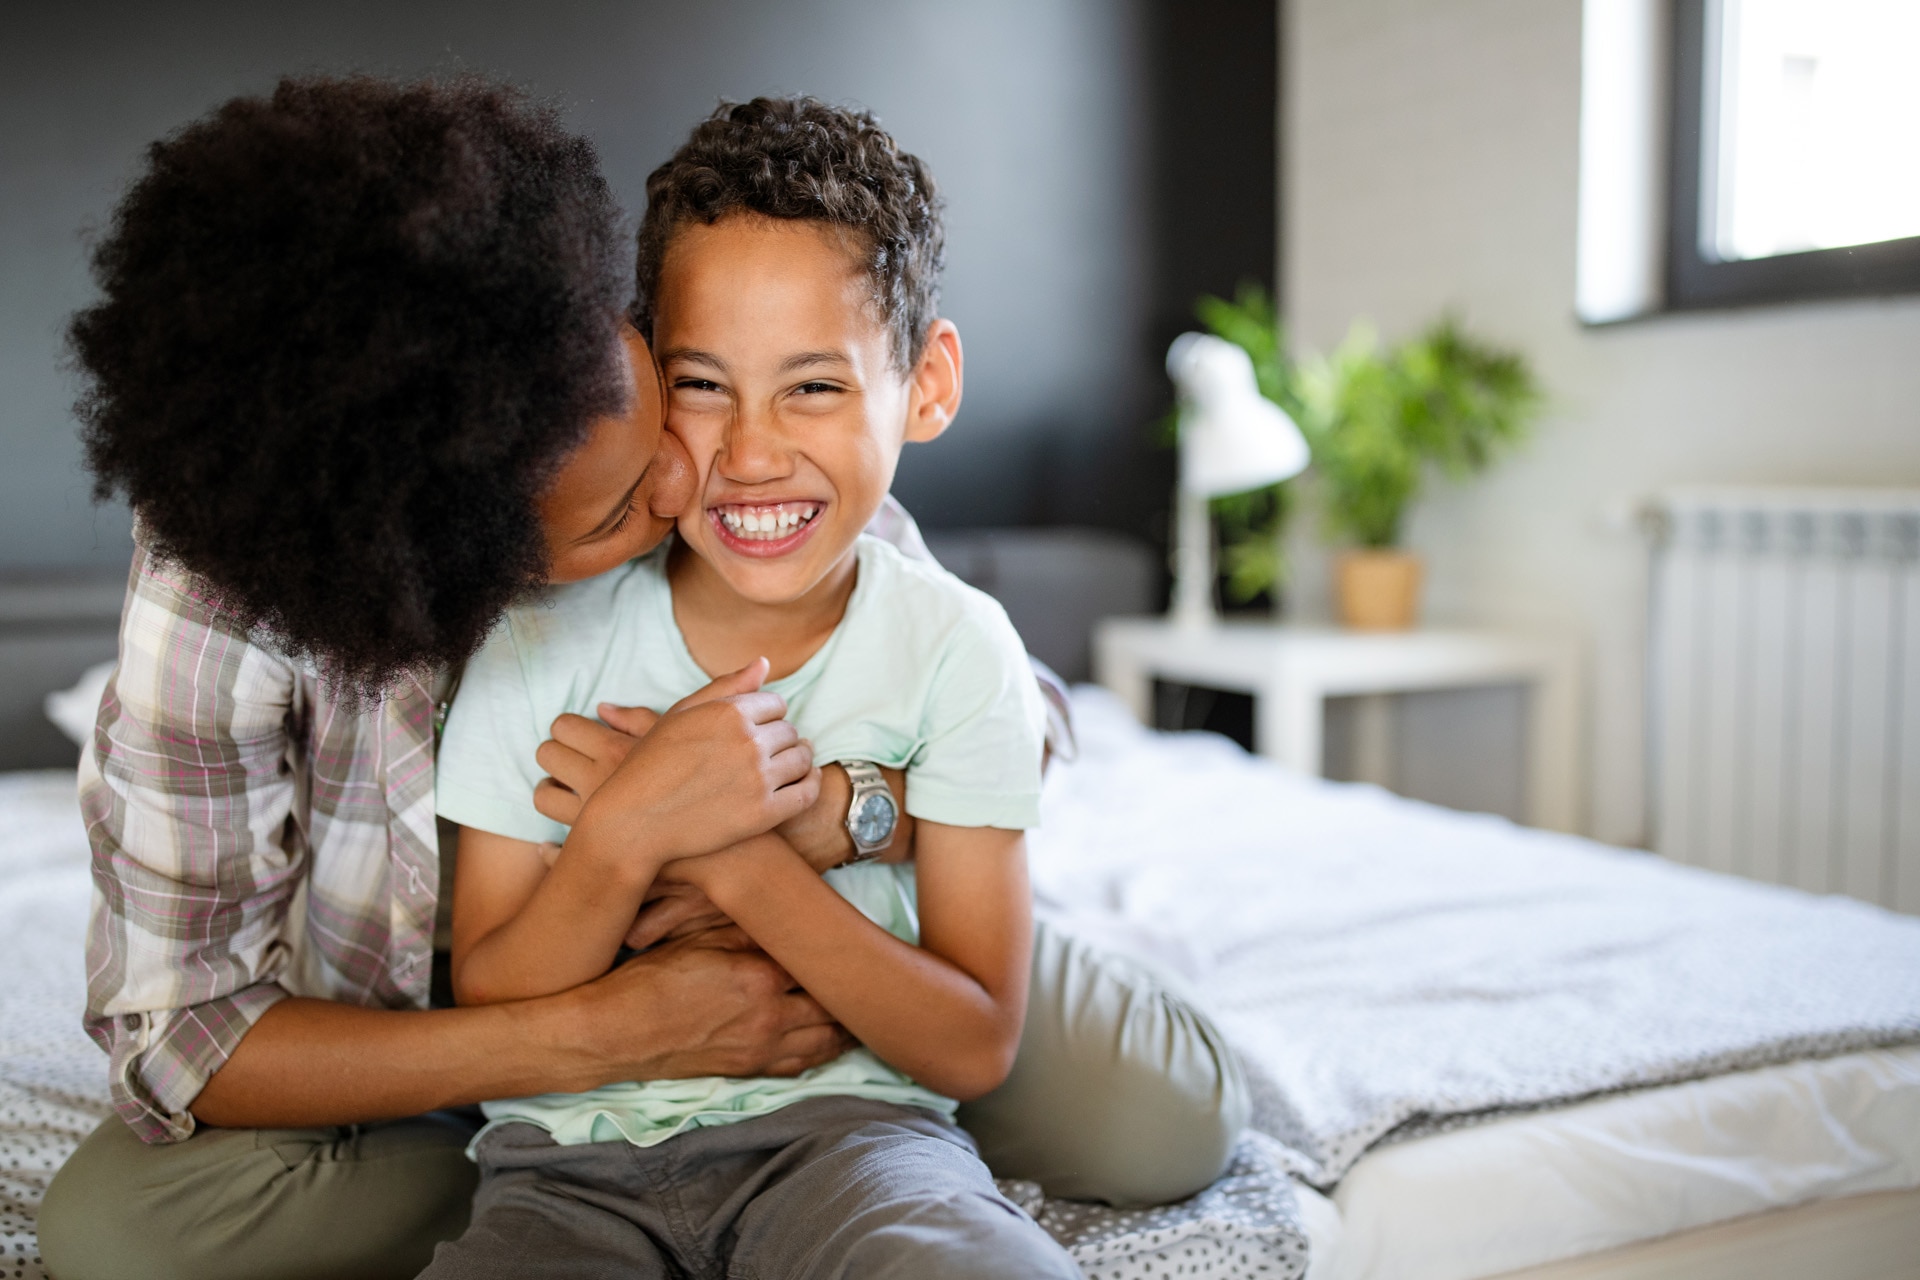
(348, 332)
(804, 159)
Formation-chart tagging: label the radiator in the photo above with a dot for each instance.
(1784, 687)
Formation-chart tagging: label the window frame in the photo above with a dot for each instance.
(1694, 281)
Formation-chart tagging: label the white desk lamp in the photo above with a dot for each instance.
(1232, 439)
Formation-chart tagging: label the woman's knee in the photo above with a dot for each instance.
(259, 1205)
(99, 1219)
(1125, 1091)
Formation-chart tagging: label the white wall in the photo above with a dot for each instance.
(1430, 160)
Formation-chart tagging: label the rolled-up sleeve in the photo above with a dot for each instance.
(188, 793)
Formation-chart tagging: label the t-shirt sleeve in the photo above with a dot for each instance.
(485, 774)
(979, 762)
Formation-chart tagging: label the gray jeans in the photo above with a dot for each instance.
(827, 1189)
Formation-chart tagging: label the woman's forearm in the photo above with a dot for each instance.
(693, 1008)
(922, 1014)
(317, 1062)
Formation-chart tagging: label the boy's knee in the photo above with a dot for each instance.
(1124, 1090)
(977, 1236)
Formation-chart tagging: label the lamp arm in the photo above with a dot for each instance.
(1193, 560)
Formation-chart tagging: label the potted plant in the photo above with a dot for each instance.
(1376, 421)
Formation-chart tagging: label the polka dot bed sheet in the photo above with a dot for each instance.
(53, 1087)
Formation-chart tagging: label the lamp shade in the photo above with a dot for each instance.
(1232, 438)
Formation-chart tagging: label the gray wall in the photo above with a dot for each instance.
(1030, 112)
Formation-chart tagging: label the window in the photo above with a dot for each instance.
(1795, 150)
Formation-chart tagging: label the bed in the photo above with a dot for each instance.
(1473, 1047)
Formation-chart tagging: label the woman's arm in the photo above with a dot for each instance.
(947, 1012)
(711, 1005)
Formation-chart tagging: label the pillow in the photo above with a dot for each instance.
(74, 709)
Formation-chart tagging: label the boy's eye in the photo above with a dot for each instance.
(814, 388)
(694, 384)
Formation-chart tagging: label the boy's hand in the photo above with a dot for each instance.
(582, 754)
(704, 777)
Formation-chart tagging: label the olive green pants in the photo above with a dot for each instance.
(1123, 1091)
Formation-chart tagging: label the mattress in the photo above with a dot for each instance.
(1561, 1183)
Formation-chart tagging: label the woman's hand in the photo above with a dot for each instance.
(713, 1004)
(673, 910)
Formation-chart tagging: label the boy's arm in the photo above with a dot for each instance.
(583, 753)
(947, 1012)
(704, 777)
(522, 930)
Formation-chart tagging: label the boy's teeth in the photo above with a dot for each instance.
(767, 523)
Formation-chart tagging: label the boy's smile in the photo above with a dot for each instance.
(762, 529)
(782, 382)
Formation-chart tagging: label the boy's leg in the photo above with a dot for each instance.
(548, 1210)
(259, 1204)
(1123, 1091)
(863, 1190)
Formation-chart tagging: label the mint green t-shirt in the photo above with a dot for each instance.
(924, 673)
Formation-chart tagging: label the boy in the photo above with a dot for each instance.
(791, 299)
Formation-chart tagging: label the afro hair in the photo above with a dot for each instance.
(347, 333)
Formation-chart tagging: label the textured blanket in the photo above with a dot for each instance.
(1388, 968)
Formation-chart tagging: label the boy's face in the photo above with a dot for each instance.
(781, 383)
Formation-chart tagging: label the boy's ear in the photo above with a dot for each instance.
(936, 384)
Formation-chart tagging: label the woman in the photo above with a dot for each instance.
(359, 367)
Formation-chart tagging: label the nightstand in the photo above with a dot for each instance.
(1291, 671)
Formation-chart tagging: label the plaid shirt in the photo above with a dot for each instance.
(255, 837)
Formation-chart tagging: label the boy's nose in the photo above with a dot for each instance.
(754, 453)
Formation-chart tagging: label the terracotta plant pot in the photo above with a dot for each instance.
(1378, 590)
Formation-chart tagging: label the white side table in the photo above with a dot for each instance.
(1291, 671)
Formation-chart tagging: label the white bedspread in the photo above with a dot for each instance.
(53, 1081)
(1388, 968)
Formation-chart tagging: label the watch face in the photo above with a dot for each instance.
(872, 821)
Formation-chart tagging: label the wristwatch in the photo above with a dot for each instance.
(871, 814)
